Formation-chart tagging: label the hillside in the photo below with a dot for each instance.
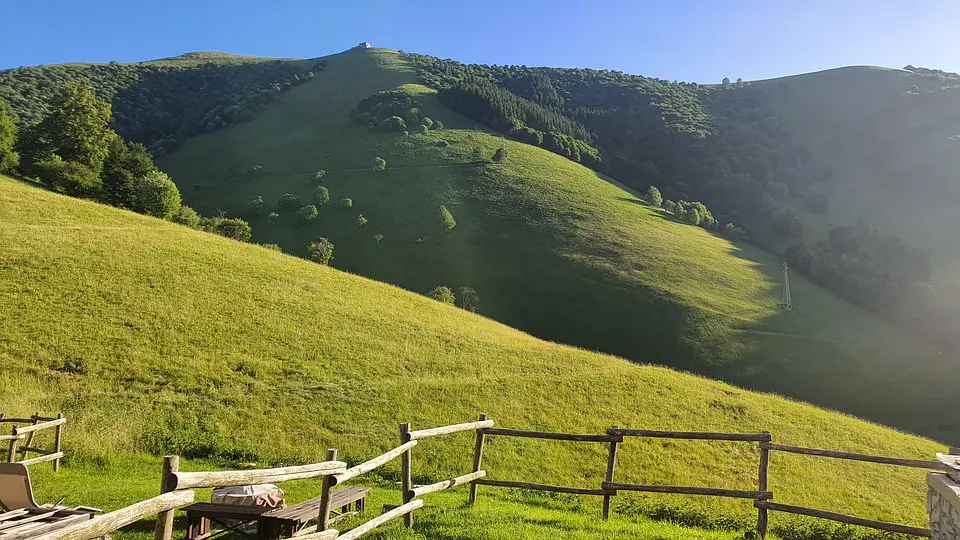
(159, 338)
(552, 248)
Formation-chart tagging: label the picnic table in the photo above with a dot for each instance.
(205, 520)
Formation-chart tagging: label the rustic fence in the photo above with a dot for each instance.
(177, 487)
(26, 429)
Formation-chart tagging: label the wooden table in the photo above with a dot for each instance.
(29, 522)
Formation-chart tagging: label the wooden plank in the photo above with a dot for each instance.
(35, 517)
(477, 460)
(372, 464)
(611, 467)
(692, 435)
(406, 479)
(16, 420)
(401, 510)
(763, 475)
(842, 518)
(58, 442)
(26, 449)
(328, 534)
(14, 439)
(449, 430)
(163, 529)
(43, 528)
(41, 425)
(13, 513)
(325, 498)
(31, 433)
(446, 484)
(539, 487)
(689, 490)
(549, 435)
(11, 437)
(917, 463)
(107, 523)
(41, 459)
(209, 479)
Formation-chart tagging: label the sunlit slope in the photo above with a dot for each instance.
(892, 153)
(156, 337)
(550, 247)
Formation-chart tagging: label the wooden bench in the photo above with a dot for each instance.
(271, 523)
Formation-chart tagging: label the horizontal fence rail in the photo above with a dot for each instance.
(916, 463)
(549, 436)
(539, 487)
(107, 523)
(689, 490)
(842, 518)
(372, 464)
(27, 433)
(449, 430)
(211, 479)
(690, 435)
(446, 484)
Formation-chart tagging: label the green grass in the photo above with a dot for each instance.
(554, 249)
(158, 338)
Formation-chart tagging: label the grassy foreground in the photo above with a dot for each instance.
(158, 338)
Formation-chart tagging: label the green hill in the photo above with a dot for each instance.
(154, 337)
(552, 248)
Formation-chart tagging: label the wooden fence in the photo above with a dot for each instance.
(26, 429)
(177, 486)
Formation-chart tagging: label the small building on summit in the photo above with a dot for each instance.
(364, 45)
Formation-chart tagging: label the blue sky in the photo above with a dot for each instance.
(701, 41)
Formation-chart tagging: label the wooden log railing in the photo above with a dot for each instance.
(27, 433)
(105, 524)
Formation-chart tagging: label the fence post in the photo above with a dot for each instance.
(406, 480)
(58, 442)
(328, 482)
(611, 467)
(164, 528)
(12, 453)
(762, 484)
(29, 441)
(477, 459)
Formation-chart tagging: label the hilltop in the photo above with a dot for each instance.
(159, 338)
(551, 247)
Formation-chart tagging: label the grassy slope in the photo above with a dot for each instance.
(553, 250)
(893, 159)
(205, 346)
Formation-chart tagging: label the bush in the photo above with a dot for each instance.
(378, 237)
(500, 155)
(468, 299)
(307, 213)
(443, 143)
(654, 197)
(69, 177)
(423, 129)
(692, 216)
(255, 171)
(289, 202)
(321, 196)
(732, 231)
(448, 222)
(379, 164)
(187, 216)
(321, 251)
(361, 221)
(274, 217)
(443, 294)
(426, 122)
(156, 195)
(318, 176)
(235, 228)
(371, 127)
(346, 202)
(393, 123)
(274, 247)
(8, 137)
(405, 134)
(257, 207)
(437, 125)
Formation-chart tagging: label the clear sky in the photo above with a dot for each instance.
(687, 40)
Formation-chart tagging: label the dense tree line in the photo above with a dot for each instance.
(160, 103)
(72, 150)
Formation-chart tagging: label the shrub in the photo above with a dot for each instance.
(437, 125)
(405, 134)
(156, 195)
(256, 171)
(448, 222)
(468, 299)
(371, 127)
(426, 122)
(274, 247)
(379, 164)
(378, 237)
(443, 143)
(654, 197)
(346, 202)
(321, 196)
(187, 216)
(8, 137)
(734, 232)
(307, 213)
(361, 221)
(443, 294)
(692, 216)
(500, 155)
(289, 202)
(235, 228)
(321, 250)
(423, 129)
(274, 217)
(318, 176)
(257, 207)
(393, 123)
(69, 177)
